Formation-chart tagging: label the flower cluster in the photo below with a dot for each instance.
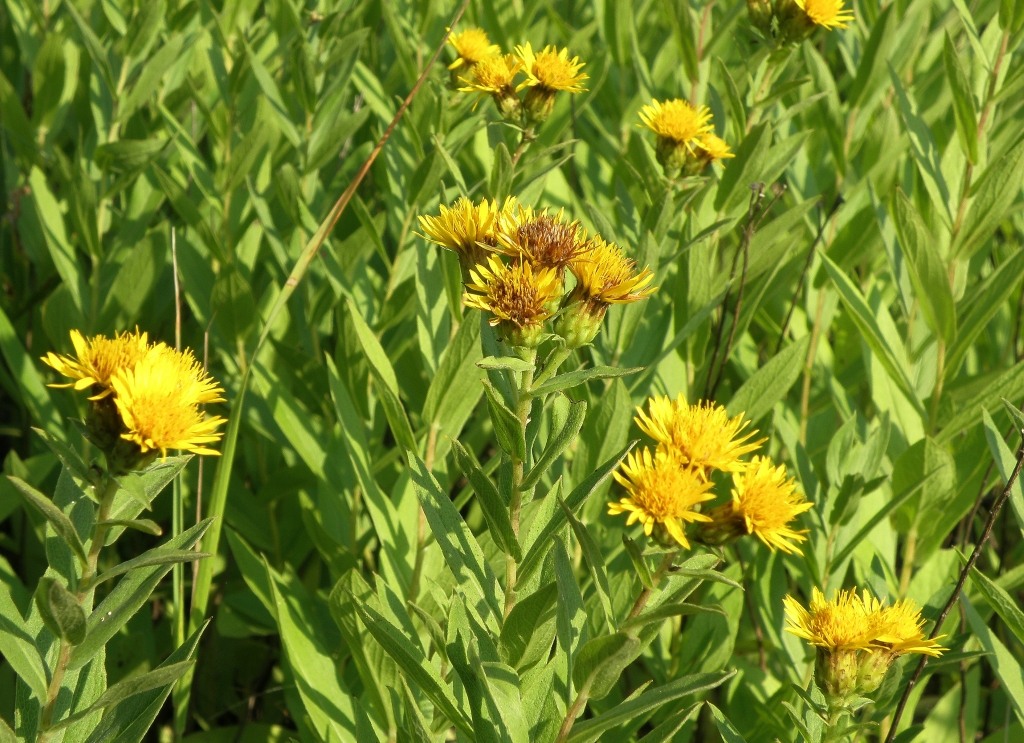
(857, 638)
(145, 397)
(666, 490)
(517, 262)
(481, 67)
(791, 21)
(687, 143)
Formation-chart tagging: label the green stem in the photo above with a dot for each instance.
(554, 361)
(107, 490)
(524, 403)
(833, 725)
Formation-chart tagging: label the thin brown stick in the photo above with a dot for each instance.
(997, 508)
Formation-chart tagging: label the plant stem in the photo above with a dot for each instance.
(525, 141)
(107, 490)
(641, 601)
(554, 361)
(524, 403)
(833, 724)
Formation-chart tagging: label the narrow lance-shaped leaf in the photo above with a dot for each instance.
(493, 506)
(58, 519)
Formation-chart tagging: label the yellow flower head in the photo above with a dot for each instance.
(900, 628)
(465, 226)
(660, 492)
(839, 624)
(492, 75)
(471, 46)
(551, 69)
(703, 435)
(604, 275)
(97, 359)
(712, 147)
(767, 501)
(677, 121)
(159, 398)
(545, 240)
(519, 296)
(827, 13)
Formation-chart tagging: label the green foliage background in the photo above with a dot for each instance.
(217, 135)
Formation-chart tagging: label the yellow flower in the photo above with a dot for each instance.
(840, 624)
(98, 359)
(159, 398)
(551, 69)
(471, 46)
(492, 75)
(827, 13)
(703, 435)
(766, 501)
(606, 276)
(712, 147)
(519, 297)
(546, 241)
(464, 227)
(857, 639)
(899, 628)
(661, 492)
(677, 121)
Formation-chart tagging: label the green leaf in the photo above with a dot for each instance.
(963, 100)
(129, 154)
(725, 728)
(770, 382)
(456, 387)
(510, 363)
(1005, 664)
(461, 551)
(155, 556)
(493, 506)
(67, 456)
(6, 734)
(509, 431)
(501, 173)
(744, 169)
(1007, 607)
(640, 566)
(865, 321)
(159, 678)
(927, 273)
(667, 611)
(58, 519)
(384, 375)
(18, 648)
(127, 597)
(147, 526)
(594, 559)
(996, 193)
(528, 630)
(408, 654)
(602, 660)
(574, 502)
(1008, 384)
(581, 376)
(1005, 460)
(60, 610)
(559, 443)
(590, 730)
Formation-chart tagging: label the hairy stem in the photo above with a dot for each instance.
(524, 403)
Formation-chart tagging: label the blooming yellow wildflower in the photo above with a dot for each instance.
(766, 502)
(543, 239)
(712, 147)
(703, 435)
(519, 296)
(551, 69)
(492, 75)
(677, 121)
(471, 46)
(857, 639)
(605, 275)
(97, 359)
(661, 492)
(826, 13)
(159, 398)
(900, 628)
(464, 227)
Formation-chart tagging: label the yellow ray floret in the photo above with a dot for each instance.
(159, 398)
(97, 359)
(471, 46)
(678, 121)
(551, 69)
(827, 13)
(713, 147)
(768, 502)
(464, 226)
(492, 75)
(514, 292)
(839, 624)
(660, 490)
(900, 628)
(703, 435)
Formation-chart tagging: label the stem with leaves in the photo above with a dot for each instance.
(524, 403)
